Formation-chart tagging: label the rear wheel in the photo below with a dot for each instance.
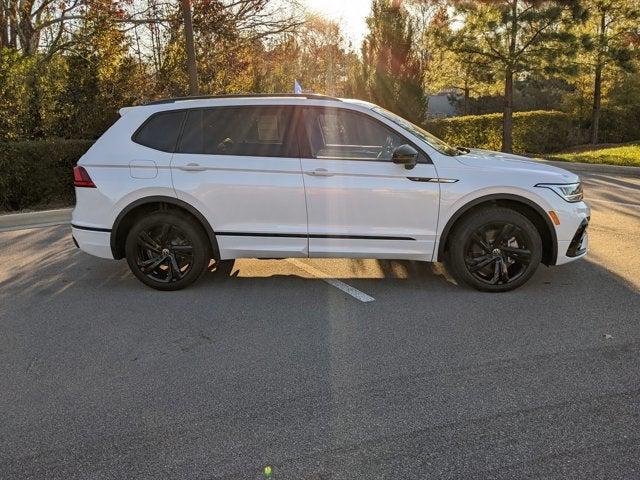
(167, 250)
(494, 250)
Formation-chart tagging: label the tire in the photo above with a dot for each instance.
(494, 250)
(167, 250)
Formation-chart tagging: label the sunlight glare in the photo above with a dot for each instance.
(350, 14)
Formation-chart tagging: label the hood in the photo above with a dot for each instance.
(508, 162)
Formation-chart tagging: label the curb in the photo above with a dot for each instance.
(592, 168)
(23, 221)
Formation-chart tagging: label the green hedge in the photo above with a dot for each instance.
(620, 125)
(38, 173)
(533, 132)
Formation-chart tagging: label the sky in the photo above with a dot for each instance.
(350, 14)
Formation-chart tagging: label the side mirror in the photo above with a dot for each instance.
(405, 155)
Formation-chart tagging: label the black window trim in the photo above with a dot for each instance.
(305, 147)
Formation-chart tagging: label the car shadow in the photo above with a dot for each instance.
(45, 263)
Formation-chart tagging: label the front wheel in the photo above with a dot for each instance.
(494, 250)
(167, 250)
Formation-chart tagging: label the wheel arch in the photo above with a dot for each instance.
(521, 204)
(125, 219)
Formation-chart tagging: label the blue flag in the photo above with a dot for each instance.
(297, 88)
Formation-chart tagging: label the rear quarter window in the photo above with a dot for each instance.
(160, 131)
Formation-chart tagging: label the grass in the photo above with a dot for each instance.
(627, 155)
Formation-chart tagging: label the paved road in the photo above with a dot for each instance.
(104, 379)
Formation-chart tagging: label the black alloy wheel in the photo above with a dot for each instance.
(497, 253)
(164, 253)
(494, 249)
(167, 250)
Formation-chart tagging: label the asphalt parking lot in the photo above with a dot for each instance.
(103, 378)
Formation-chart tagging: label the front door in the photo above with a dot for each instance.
(240, 166)
(359, 203)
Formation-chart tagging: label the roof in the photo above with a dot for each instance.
(205, 101)
(312, 96)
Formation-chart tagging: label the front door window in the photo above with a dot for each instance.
(347, 135)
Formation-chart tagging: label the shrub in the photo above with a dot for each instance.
(533, 132)
(619, 124)
(38, 172)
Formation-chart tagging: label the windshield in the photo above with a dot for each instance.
(421, 133)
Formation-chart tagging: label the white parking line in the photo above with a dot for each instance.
(354, 292)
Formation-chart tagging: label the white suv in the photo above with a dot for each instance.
(175, 184)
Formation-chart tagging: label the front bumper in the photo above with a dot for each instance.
(572, 233)
(580, 240)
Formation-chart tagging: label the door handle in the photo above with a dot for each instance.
(192, 167)
(321, 172)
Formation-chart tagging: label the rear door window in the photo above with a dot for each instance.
(160, 131)
(241, 131)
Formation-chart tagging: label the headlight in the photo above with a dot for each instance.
(571, 192)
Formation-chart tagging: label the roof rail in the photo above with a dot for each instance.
(310, 96)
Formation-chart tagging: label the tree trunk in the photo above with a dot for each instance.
(13, 25)
(507, 113)
(465, 108)
(192, 67)
(597, 97)
(597, 85)
(4, 26)
(27, 35)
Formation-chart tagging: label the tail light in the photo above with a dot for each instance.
(81, 178)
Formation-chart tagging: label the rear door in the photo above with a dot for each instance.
(240, 166)
(359, 203)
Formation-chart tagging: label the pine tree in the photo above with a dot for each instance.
(392, 74)
(612, 36)
(446, 69)
(515, 37)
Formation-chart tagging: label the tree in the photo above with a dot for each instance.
(322, 61)
(316, 55)
(67, 66)
(514, 37)
(27, 24)
(229, 37)
(611, 38)
(102, 76)
(14, 96)
(446, 69)
(192, 66)
(392, 74)
(49, 26)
